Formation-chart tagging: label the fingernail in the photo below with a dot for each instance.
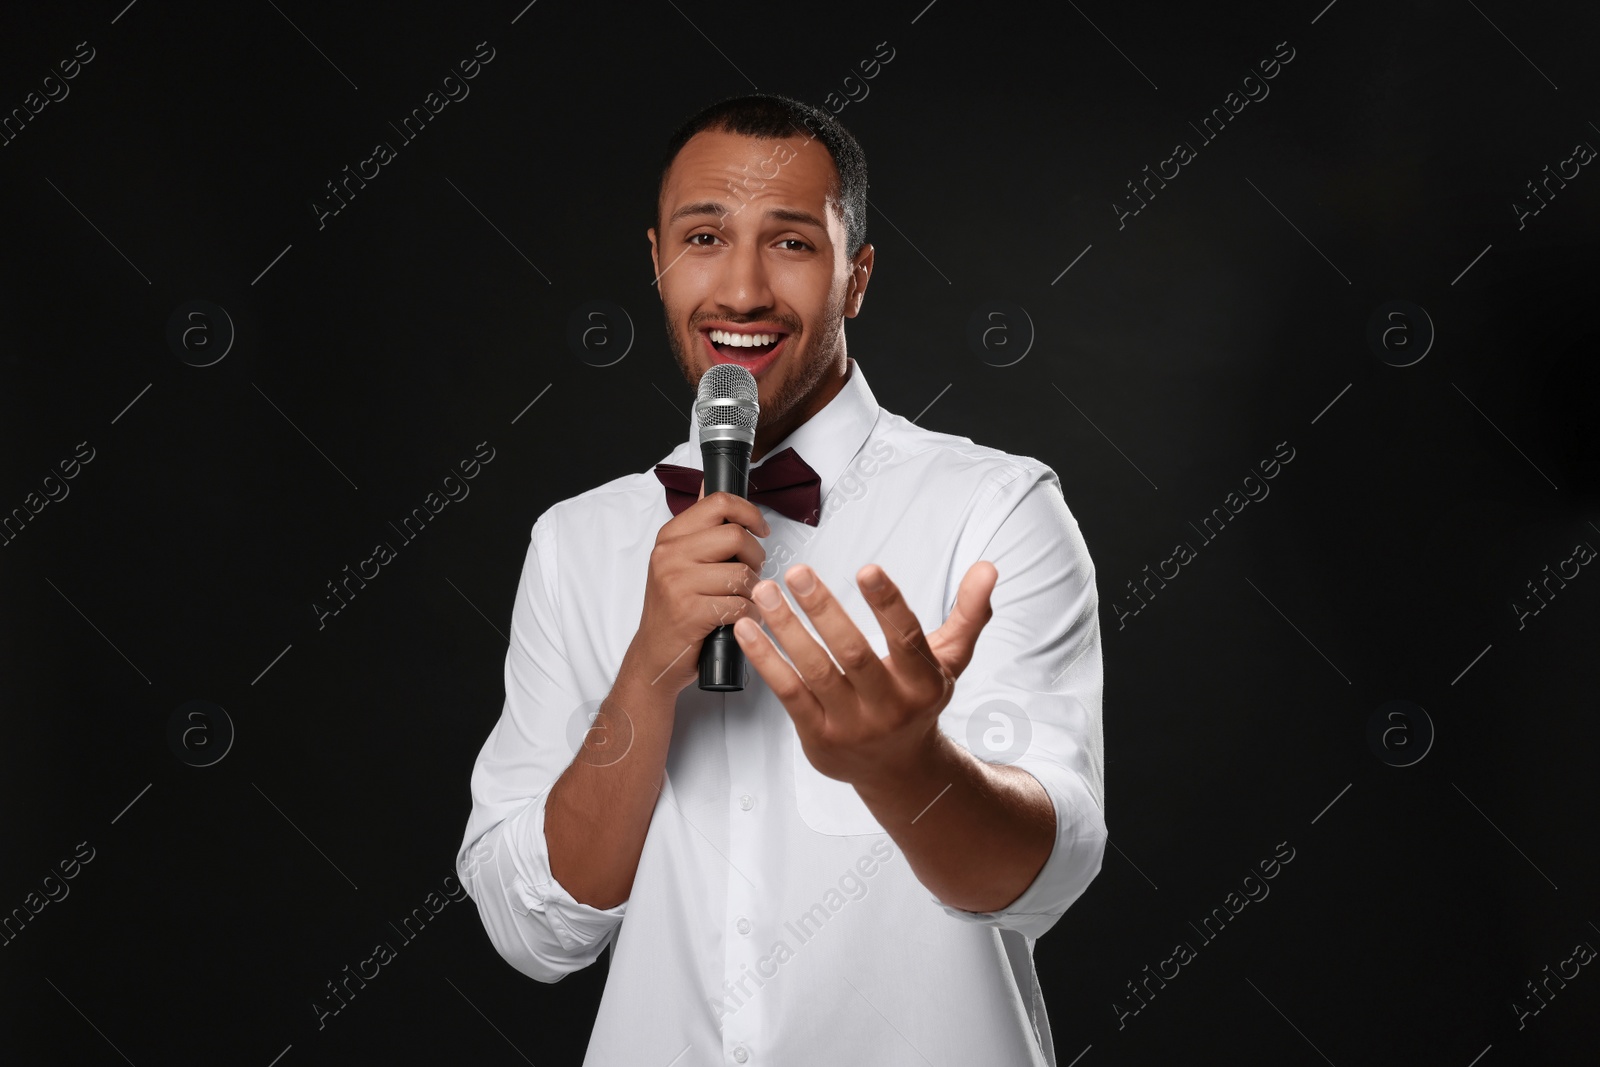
(803, 581)
(873, 581)
(767, 595)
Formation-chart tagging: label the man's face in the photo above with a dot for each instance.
(751, 249)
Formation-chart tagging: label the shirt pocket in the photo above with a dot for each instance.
(828, 805)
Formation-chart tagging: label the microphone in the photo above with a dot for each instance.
(725, 410)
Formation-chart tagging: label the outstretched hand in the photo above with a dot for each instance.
(872, 720)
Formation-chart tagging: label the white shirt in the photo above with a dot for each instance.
(772, 921)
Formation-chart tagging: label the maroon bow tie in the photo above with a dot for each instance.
(784, 482)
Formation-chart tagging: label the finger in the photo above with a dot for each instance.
(715, 543)
(812, 665)
(863, 670)
(909, 651)
(718, 544)
(781, 678)
(718, 508)
(737, 581)
(732, 579)
(954, 641)
(726, 610)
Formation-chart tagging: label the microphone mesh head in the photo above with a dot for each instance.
(728, 403)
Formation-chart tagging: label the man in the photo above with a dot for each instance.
(818, 869)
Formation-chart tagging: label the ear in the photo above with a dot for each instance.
(655, 259)
(860, 274)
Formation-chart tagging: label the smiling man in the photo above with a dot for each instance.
(851, 859)
(750, 270)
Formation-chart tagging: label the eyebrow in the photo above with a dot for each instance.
(777, 214)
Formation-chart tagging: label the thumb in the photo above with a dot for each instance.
(702, 487)
(954, 641)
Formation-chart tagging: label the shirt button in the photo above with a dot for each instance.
(747, 802)
(740, 1054)
(743, 925)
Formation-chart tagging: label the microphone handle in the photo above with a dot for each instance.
(727, 470)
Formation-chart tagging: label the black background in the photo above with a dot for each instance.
(374, 353)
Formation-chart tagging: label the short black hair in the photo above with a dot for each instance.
(770, 116)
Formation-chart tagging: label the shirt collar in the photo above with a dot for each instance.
(828, 441)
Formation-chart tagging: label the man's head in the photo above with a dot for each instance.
(761, 235)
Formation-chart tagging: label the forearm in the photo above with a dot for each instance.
(599, 810)
(976, 834)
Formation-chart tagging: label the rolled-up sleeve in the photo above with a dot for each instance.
(504, 859)
(1031, 697)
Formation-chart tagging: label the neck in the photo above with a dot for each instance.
(769, 433)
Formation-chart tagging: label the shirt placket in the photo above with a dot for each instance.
(745, 922)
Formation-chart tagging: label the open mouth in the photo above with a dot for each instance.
(755, 349)
(743, 345)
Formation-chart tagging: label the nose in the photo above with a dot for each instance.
(744, 288)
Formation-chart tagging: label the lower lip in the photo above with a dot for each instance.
(754, 366)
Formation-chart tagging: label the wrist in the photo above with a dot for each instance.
(644, 686)
(925, 764)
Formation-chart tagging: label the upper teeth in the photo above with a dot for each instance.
(743, 340)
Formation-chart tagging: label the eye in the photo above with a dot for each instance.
(694, 239)
(803, 247)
